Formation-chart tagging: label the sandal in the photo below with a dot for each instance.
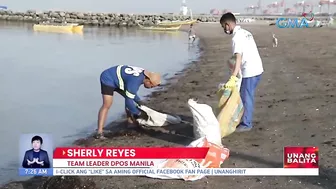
(99, 136)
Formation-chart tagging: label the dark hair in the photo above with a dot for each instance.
(37, 138)
(228, 17)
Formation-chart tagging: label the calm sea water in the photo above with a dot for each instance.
(49, 83)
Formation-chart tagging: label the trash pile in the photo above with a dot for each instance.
(208, 130)
(215, 157)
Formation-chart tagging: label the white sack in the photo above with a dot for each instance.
(180, 164)
(157, 119)
(205, 122)
(207, 130)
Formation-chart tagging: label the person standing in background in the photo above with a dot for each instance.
(191, 34)
(248, 61)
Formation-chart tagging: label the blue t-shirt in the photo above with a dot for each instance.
(129, 81)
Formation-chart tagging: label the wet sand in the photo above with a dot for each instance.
(295, 105)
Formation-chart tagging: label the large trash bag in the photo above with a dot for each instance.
(214, 158)
(157, 119)
(205, 122)
(207, 132)
(229, 111)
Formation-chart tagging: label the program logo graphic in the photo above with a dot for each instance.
(296, 22)
(309, 16)
(301, 157)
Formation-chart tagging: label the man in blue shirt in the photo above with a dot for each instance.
(125, 80)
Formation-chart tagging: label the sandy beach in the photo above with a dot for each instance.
(295, 105)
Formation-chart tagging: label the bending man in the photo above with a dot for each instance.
(125, 80)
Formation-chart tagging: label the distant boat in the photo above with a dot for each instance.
(3, 7)
(177, 23)
(160, 28)
(62, 28)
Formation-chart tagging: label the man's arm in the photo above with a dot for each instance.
(131, 106)
(137, 98)
(237, 44)
(131, 97)
(238, 64)
(46, 162)
(24, 162)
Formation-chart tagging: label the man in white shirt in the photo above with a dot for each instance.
(248, 61)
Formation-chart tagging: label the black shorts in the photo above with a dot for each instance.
(108, 90)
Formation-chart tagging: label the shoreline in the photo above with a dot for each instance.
(291, 90)
(97, 19)
(117, 19)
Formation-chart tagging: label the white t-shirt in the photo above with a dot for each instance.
(244, 44)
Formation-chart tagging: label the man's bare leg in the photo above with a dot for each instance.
(103, 111)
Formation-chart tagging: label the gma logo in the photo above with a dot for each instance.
(292, 23)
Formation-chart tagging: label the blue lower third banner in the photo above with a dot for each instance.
(35, 172)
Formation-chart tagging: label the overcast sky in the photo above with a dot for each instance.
(137, 6)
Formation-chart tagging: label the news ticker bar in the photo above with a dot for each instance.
(95, 163)
(149, 171)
